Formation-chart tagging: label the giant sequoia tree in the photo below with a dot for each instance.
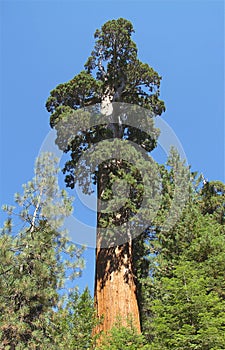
(113, 77)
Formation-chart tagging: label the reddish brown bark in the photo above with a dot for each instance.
(115, 292)
(115, 288)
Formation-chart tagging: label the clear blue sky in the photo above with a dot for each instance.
(44, 43)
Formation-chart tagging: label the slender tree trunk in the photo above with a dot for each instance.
(115, 287)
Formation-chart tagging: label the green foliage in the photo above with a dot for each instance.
(118, 70)
(115, 58)
(213, 200)
(184, 305)
(160, 243)
(189, 313)
(74, 322)
(80, 91)
(122, 337)
(35, 260)
(114, 73)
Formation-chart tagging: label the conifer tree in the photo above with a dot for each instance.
(32, 271)
(213, 199)
(183, 293)
(187, 310)
(113, 74)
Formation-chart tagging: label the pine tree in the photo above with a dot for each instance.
(113, 74)
(32, 271)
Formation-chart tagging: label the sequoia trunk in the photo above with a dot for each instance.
(115, 287)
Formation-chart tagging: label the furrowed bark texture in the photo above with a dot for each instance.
(115, 287)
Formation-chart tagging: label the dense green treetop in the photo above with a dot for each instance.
(113, 73)
(113, 69)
